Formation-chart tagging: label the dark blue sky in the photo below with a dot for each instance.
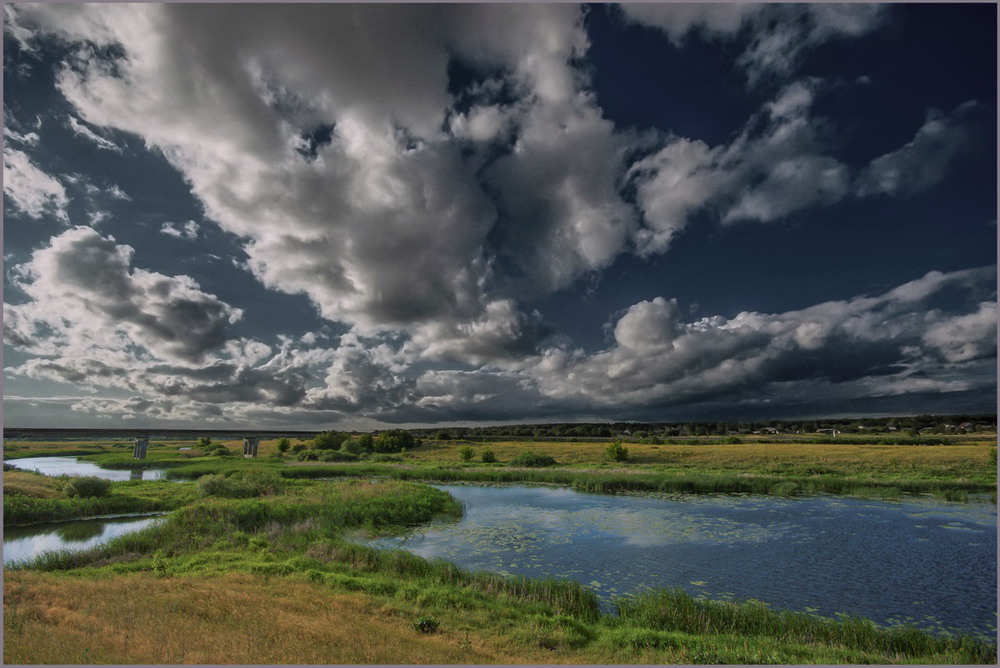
(337, 215)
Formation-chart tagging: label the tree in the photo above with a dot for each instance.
(283, 445)
(394, 440)
(328, 440)
(465, 452)
(616, 452)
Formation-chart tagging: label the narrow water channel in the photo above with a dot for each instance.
(55, 466)
(928, 563)
(21, 544)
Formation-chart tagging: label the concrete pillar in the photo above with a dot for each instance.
(250, 446)
(139, 449)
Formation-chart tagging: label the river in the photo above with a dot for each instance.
(916, 561)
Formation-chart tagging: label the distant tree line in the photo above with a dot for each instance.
(903, 425)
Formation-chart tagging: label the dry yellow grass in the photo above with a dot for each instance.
(847, 457)
(31, 484)
(233, 619)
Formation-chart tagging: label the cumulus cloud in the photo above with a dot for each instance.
(30, 189)
(389, 222)
(85, 294)
(880, 346)
(775, 166)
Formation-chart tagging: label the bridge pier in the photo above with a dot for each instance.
(250, 446)
(139, 449)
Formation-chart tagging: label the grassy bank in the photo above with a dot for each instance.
(276, 578)
(30, 498)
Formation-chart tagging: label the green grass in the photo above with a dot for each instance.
(676, 610)
(303, 534)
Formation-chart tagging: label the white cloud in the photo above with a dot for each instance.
(924, 161)
(87, 298)
(392, 224)
(778, 34)
(82, 130)
(30, 189)
(188, 230)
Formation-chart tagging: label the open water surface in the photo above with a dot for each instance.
(25, 543)
(933, 564)
(73, 466)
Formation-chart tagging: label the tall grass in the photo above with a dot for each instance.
(677, 610)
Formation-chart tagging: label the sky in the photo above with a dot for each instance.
(336, 216)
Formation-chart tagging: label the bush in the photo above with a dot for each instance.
(426, 624)
(465, 452)
(283, 445)
(357, 444)
(218, 451)
(307, 456)
(337, 456)
(204, 441)
(532, 459)
(487, 456)
(329, 440)
(241, 485)
(88, 487)
(298, 447)
(616, 452)
(394, 440)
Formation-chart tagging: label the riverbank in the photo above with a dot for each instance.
(192, 590)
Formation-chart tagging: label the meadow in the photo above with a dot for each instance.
(256, 562)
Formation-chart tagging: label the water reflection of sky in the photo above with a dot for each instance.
(915, 561)
(54, 466)
(25, 543)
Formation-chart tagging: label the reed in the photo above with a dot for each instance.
(676, 610)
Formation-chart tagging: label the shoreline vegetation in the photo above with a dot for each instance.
(278, 534)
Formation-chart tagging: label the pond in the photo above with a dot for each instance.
(73, 466)
(932, 564)
(26, 543)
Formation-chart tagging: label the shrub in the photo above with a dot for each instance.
(329, 440)
(213, 485)
(88, 487)
(616, 452)
(242, 484)
(426, 624)
(394, 440)
(218, 451)
(466, 452)
(532, 459)
(307, 456)
(337, 456)
(298, 447)
(283, 445)
(204, 441)
(357, 444)
(487, 456)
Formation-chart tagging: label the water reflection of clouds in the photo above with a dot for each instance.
(55, 466)
(53, 539)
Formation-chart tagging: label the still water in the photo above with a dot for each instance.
(73, 466)
(929, 563)
(26, 543)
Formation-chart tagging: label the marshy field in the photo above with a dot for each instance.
(319, 552)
